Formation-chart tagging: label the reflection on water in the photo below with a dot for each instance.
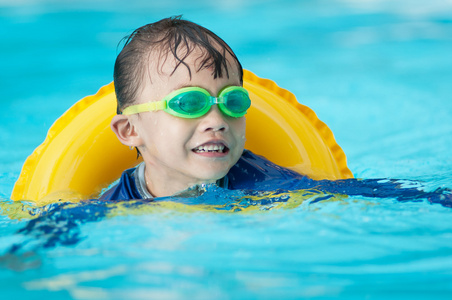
(235, 242)
(58, 224)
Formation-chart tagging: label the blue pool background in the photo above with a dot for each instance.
(378, 73)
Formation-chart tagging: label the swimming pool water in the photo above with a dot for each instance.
(378, 73)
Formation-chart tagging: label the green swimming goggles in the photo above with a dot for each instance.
(194, 102)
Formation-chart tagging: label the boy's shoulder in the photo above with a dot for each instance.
(125, 188)
(253, 171)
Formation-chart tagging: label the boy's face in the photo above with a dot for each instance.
(182, 152)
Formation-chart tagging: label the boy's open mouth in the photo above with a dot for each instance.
(218, 148)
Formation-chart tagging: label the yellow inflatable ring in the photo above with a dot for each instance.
(81, 155)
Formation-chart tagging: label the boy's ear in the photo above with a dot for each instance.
(125, 131)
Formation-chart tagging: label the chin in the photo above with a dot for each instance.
(210, 175)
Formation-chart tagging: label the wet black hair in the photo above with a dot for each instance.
(168, 36)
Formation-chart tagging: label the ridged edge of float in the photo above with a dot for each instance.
(68, 116)
(325, 131)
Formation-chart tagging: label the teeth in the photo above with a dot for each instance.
(210, 148)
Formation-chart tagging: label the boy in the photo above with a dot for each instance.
(181, 105)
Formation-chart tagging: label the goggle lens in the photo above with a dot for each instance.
(190, 103)
(237, 101)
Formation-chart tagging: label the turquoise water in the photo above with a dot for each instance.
(378, 73)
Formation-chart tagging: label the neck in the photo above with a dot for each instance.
(162, 185)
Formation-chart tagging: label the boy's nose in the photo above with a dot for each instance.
(214, 120)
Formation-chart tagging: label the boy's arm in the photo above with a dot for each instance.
(401, 190)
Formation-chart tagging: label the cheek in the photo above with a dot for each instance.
(151, 130)
(238, 128)
(175, 132)
(180, 127)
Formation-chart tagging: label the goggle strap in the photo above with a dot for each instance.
(149, 106)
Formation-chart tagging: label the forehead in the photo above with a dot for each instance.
(191, 59)
(167, 72)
